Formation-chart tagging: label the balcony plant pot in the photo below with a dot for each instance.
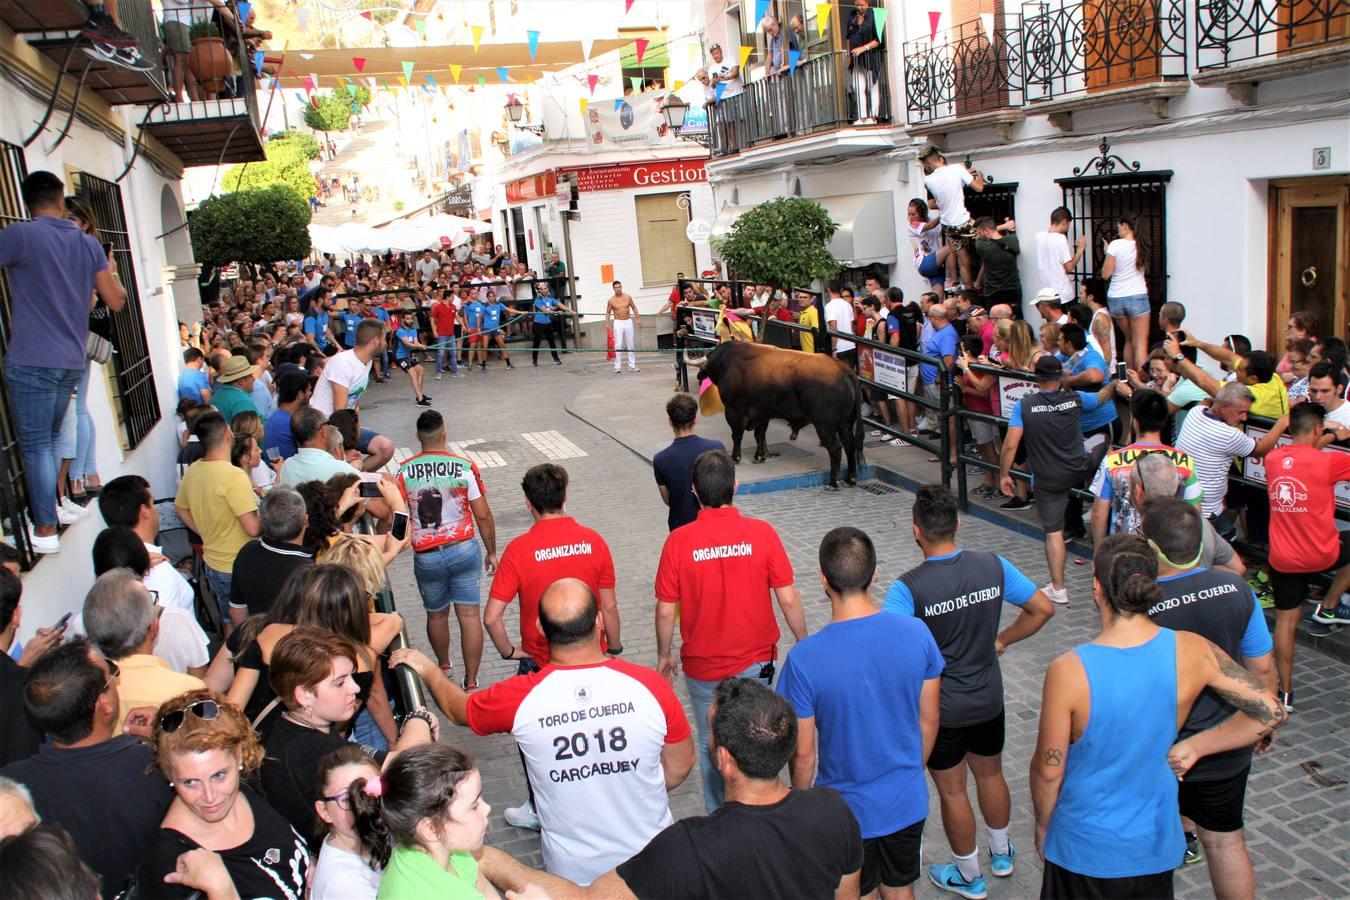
(209, 60)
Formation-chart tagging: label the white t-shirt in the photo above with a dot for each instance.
(181, 642)
(347, 370)
(592, 738)
(340, 875)
(1052, 252)
(723, 72)
(173, 589)
(1126, 280)
(1213, 444)
(427, 268)
(947, 185)
(1340, 415)
(925, 241)
(839, 316)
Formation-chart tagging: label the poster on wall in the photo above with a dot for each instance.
(1010, 390)
(705, 323)
(1255, 469)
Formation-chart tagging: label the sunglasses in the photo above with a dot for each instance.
(206, 710)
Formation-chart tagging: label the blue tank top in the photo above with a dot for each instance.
(1117, 814)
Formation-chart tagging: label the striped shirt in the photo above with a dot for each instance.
(1212, 444)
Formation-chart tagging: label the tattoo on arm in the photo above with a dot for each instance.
(1054, 757)
(1230, 667)
(1255, 707)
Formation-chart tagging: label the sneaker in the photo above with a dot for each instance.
(1287, 700)
(948, 878)
(425, 401)
(1060, 596)
(103, 30)
(49, 544)
(1001, 864)
(1193, 852)
(522, 816)
(1015, 503)
(73, 508)
(65, 517)
(876, 433)
(122, 57)
(557, 362)
(1337, 615)
(634, 370)
(440, 375)
(618, 371)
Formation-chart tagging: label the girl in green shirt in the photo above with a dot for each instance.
(421, 820)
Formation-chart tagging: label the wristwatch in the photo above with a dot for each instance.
(614, 651)
(1178, 358)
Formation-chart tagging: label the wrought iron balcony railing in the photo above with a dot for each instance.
(963, 71)
(820, 96)
(1229, 32)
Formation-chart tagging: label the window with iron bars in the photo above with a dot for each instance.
(13, 490)
(132, 378)
(997, 200)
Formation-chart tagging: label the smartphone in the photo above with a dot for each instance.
(1122, 372)
(62, 622)
(399, 529)
(369, 489)
(107, 249)
(273, 454)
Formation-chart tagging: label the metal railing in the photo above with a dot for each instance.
(963, 71)
(138, 18)
(239, 94)
(13, 488)
(822, 94)
(1228, 33)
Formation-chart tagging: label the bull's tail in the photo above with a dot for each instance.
(859, 431)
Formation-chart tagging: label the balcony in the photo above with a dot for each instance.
(219, 123)
(819, 97)
(53, 28)
(1053, 58)
(1238, 45)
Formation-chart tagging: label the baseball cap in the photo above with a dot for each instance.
(1048, 368)
(1048, 295)
(714, 47)
(973, 312)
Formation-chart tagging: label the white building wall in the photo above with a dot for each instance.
(58, 582)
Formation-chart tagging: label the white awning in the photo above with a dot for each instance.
(866, 226)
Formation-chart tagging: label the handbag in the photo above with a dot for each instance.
(99, 347)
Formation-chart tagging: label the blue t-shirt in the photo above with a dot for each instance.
(473, 314)
(1017, 588)
(349, 322)
(191, 383)
(277, 433)
(1105, 414)
(382, 314)
(938, 342)
(262, 398)
(402, 351)
(674, 468)
(316, 329)
(492, 316)
(51, 266)
(861, 681)
(541, 304)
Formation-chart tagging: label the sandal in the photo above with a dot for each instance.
(470, 685)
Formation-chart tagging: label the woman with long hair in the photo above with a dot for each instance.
(344, 869)
(930, 253)
(208, 752)
(1110, 714)
(1020, 355)
(1125, 268)
(422, 823)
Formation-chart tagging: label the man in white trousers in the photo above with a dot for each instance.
(622, 316)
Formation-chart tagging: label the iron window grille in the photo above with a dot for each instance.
(13, 489)
(1227, 32)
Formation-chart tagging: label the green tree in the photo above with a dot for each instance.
(287, 164)
(332, 112)
(254, 226)
(308, 144)
(782, 243)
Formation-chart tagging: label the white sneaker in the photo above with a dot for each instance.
(73, 508)
(1060, 596)
(522, 816)
(49, 544)
(65, 517)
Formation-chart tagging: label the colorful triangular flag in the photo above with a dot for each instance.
(822, 17)
(431, 81)
(761, 10)
(310, 83)
(407, 70)
(987, 23)
(583, 109)
(259, 57)
(359, 62)
(636, 83)
(695, 55)
(627, 5)
(403, 80)
(244, 9)
(745, 56)
(420, 23)
(367, 15)
(501, 73)
(879, 20)
(721, 86)
(477, 36)
(533, 38)
(618, 104)
(641, 45)
(586, 44)
(591, 82)
(454, 71)
(482, 81)
(676, 87)
(934, 18)
(793, 57)
(306, 55)
(352, 89)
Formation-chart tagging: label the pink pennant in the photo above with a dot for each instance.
(359, 62)
(641, 44)
(591, 82)
(627, 5)
(367, 15)
(933, 19)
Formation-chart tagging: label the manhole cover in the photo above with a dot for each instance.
(880, 488)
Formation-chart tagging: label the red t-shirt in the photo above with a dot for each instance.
(780, 313)
(1301, 482)
(720, 569)
(550, 550)
(443, 318)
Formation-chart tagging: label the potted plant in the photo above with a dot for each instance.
(208, 60)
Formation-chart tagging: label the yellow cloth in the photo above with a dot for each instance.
(1272, 398)
(146, 680)
(811, 319)
(216, 494)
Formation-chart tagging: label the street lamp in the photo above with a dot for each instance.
(674, 111)
(515, 110)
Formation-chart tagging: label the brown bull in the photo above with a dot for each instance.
(758, 383)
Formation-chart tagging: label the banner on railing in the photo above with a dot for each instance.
(885, 368)
(1255, 469)
(704, 323)
(1010, 390)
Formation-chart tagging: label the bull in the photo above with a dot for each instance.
(758, 383)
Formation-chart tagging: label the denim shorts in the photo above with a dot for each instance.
(928, 266)
(449, 574)
(1128, 307)
(363, 440)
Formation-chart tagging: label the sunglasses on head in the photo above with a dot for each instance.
(205, 710)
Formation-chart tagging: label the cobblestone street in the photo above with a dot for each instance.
(508, 421)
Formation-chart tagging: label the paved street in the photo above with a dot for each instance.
(511, 420)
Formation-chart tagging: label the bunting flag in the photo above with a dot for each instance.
(482, 81)
(501, 73)
(259, 57)
(793, 57)
(477, 36)
(933, 19)
(987, 23)
(309, 84)
(299, 96)
(533, 38)
(306, 55)
(721, 86)
(627, 5)
(431, 81)
(359, 62)
(243, 12)
(745, 56)
(455, 70)
(314, 101)
(822, 18)
(761, 10)
(303, 16)
(407, 70)
(420, 23)
(641, 46)
(678, 84)
(591, 82)
(618, 103)
(403, 80)
(352, 89)
(636, 83)
(371, 81)
(586, 44)
(879, 20)
(368, 15)
(583, 109)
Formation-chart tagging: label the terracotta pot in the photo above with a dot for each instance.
(210, 63)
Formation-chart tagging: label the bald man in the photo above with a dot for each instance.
(603, 739)
(997, 313)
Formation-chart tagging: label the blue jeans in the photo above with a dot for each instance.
(86, 461)
(221, 583)
(449, 574)
(366, 733)
(446, 351)
(40, 396)
(701, 697)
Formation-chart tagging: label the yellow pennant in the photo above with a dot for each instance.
(454, 72)
(477, 36)
(822, 17)
(745, 55)
(403, 81)
(583, 109)
(678, 84)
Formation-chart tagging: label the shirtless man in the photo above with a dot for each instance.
(621, 314)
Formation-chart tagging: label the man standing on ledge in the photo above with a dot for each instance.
(621, 314)
(720, 569)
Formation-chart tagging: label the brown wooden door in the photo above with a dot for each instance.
(1121, 41)
(980, 60)
(1310, 254)
(1304, 24)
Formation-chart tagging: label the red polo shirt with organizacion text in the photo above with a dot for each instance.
(552, 549)
(720, 568)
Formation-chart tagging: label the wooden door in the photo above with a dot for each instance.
(1310, 254)
(1304, 24)
(1121, 42)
